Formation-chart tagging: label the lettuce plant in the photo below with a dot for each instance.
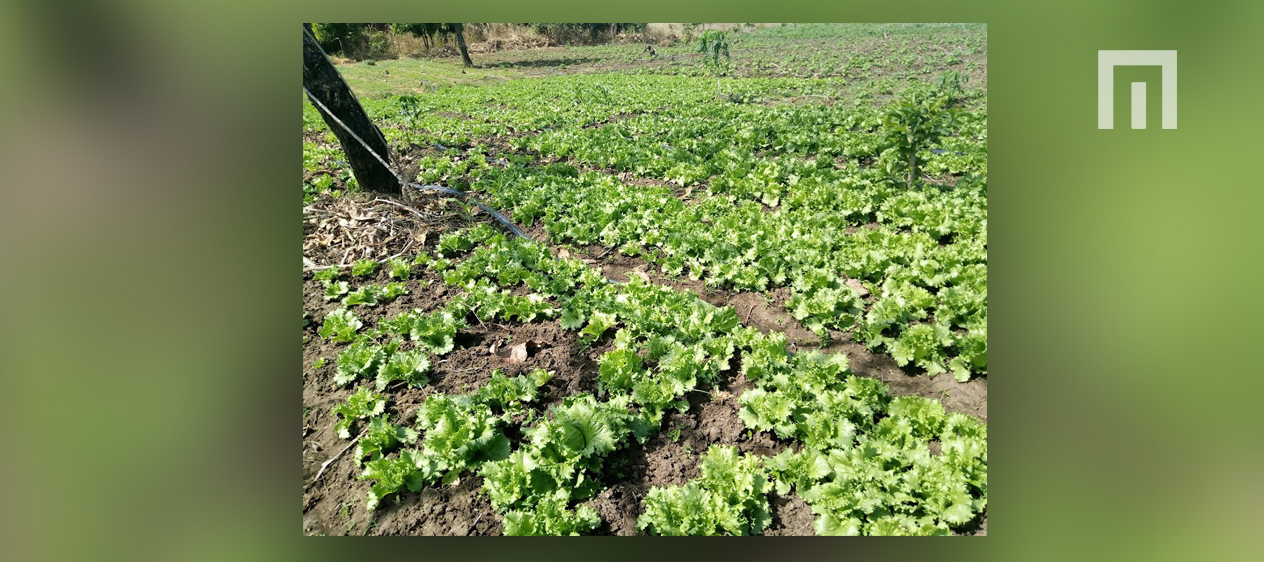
(729, 498)
(436, 332)
(340, 326)
(361, 404)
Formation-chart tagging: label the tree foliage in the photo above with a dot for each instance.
(712, 44)
(916, 121)
(369, 39)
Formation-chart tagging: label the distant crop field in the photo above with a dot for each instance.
(729, 286)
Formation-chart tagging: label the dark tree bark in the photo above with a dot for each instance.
(458, 29)
(326, 86)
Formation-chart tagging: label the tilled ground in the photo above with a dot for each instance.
(765, 311)
(334, 503)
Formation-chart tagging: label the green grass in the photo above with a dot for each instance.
(854, 52)
(388, 78)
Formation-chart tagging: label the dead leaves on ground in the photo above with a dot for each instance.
(337, 232)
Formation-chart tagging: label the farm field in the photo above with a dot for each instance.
(747, 298)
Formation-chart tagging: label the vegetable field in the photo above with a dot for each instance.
(749, 297)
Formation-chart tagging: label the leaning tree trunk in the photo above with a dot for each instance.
(325, 85)
(458, 29)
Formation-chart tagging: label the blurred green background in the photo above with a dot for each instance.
(149, 234)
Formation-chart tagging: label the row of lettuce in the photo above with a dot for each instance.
(863, 460)
(785, 204)
(744, 196)
(854, 52)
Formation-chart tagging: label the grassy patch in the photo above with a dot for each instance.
(388, 78)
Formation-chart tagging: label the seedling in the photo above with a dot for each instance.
(713, 44)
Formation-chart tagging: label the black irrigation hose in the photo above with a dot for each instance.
(463, 195)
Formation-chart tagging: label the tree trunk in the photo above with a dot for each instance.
(912, 174)
(325, 85)
(458, 29)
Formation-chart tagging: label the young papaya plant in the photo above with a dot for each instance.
(952, 83)
(712, 44)
(914, 122)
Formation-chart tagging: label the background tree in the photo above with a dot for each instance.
(458, 29)
(336, 37)
(427, 31)
(324, 84)
(357, 40)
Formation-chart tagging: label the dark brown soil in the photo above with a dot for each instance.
(791, 516)
(457, 510)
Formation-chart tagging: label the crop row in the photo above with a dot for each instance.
(777, 207)
(853, 51)
(772, 221)
(865, 464)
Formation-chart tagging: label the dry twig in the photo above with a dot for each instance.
(332, 459)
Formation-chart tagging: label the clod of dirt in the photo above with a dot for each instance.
(858, 287)
(511, 353)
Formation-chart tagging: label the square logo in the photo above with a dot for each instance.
(1106, 63)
